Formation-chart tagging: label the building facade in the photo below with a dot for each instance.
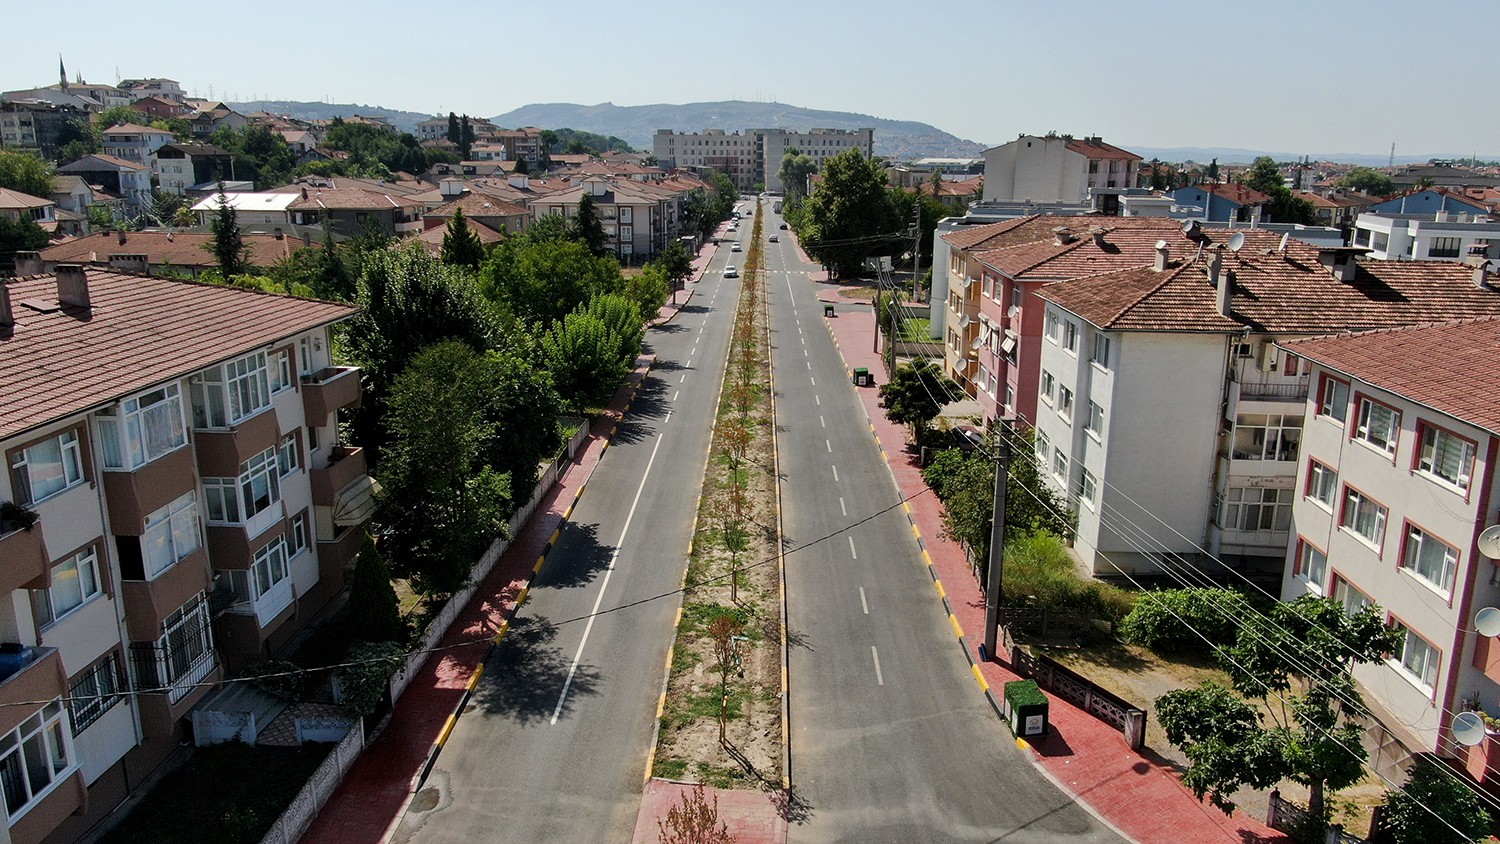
(754, 157)
(1057, 168)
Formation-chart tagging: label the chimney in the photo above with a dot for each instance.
(1215, 264)
(1482, 274)
(1340, 261)
(277, 233)
(1063, 236)
(1463, 216)
(1224, 293)
(72, 285)
(1440, 217)
(1097, 233)
(1163, 254)
(1192, 230)
(28, 263)
(130, 264)
(7, 317)
(307, 238)
(122, 237)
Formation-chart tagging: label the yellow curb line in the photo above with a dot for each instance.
(926, 556)
(939, 585)
(474, 680)
(915, 531)
(555, 534)
(953, 619)
(983, 684)
(521, 598)
(540, 561)
(447, 728)
(1022, 743)
(504, 628)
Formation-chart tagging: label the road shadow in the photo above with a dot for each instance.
(791, 806)
(1052, 744)
(666, 365)
(695, 309)
(576, 560)
(668, 328)
(799, 640)
(525, 675)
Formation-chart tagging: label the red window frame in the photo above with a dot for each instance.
(1322, 401)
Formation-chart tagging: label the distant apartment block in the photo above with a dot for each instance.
(754, 156)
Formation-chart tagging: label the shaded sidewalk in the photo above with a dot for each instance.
(1140, 794)
(369, 803)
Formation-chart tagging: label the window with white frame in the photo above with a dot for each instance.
(235, 500)
(1053, 325)
(1070, 336)
(1048, 384)
(1322, 484)
(280, 367)
(183, 653)
(1060, 466)
(75, 581)
(288, 456)
(1353, 600)
(1446, 456)
(1094, 423)
(1267, 436)
(1333, 401)
(1429, 558)
(297, 536)
(1043, 448)
(171, 534)
(142, 428)
(1101, 350)
(47, 468)
(95, 691)
(1364, 516)
(1064, 401)
(1010, 396)
(304, 356)
(1257, 509)
(1378, 425)
(33, 757)
(1312, 564)
(1418, 659)
(1088, 488)
(224, 395)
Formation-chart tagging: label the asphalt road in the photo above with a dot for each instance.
(892, 739)
(553, 746)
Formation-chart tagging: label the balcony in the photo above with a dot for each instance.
(132, 495)
(23, 559)
(337, 554)
(329, 389)
(1293, 391)
(222, 452)
(345, 466)
(1276, 540)
(27, 675)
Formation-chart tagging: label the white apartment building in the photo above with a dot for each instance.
(820, 144)
(1057, 168)
(755, 156)
(1397, 479)
(1166, 411)
(135, 143)
(1442, 236)
(177, 446)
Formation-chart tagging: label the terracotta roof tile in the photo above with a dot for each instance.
(1095, 148)
(350, 198)
(140, 331)
(181, 249)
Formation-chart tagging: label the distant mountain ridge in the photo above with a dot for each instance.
(1235, 155)
(897, 139)
(405, 121)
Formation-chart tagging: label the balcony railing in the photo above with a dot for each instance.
(1263, 391)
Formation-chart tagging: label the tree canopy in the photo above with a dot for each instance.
(26, 172)
(17, 236)
(543, 281)
(794, 171)
(588, 229)
(1285, 206)
(228, 245)
(1368, 180)
(849, 216)
(461, 244)
(1435, 807)
(916, 394)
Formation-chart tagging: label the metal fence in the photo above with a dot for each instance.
(1286, 816)
(320, 786)
(1083, 693)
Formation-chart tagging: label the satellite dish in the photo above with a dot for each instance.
(1236, 241)
(963, 321)
(1487, 622)
(1188, 226)
(1489, 542)
(1468, 729)
(1284, 239)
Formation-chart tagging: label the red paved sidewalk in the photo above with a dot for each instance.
(373, 795)
(1137, 793)
(753, 817)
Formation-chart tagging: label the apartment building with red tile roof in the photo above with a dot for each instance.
(1057, 168)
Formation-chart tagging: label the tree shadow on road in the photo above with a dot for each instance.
(524, 677)
(575, 560)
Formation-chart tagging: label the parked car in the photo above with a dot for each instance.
(731, 272)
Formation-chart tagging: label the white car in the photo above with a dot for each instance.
(735, 248)
(731, 272)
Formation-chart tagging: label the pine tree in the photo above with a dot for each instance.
(374, 613)
(461, 245)
(465, 138)
(227, 245)
(587, 229)
(453, 130)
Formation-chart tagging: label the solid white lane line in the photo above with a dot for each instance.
(853, 554)
(879, 678)
(862, 601)
(842, 508)
(608, 572)
(835, 473)
(789, 291)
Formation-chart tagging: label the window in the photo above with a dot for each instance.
(1378, 425)
(1101, 350)
(268, 569)
(1255, 509)
(1064, 401)
(1043, 446)
(1052, 326)
(1094, 424)
(35, 755)
(1333, 401)
(1070, 336)
(95, 691)
(142, 429)
(184, 653)
(1060, 465)
(1015, 295)
(1312, 564)
(1418, 659)
(47, 468)
(1354, 601)
(1010, 396)
(75, 581)
(288, 456)
(222, 500)
(1262, 436)
(297, 538)
(1446, 456)
(1322, 483)
(304, 356)
(1048, 383)
(1087, 487)
(281, 370)
(1444, 247)
(1364, 516)
(1429, 558)
(312, 438)
(236, 500)
(171, 534)
(224, 395)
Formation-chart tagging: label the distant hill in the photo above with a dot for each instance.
(1233, 155)
(897, 139)
(405, 121)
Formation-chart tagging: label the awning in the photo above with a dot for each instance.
(355, 503)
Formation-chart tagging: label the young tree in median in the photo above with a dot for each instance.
(461, 244)
(693, 820)
(1297, 663)
(227, 245)
(849, 216)
(915, 395)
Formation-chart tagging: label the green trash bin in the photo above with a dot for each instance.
(1026, 709)
(861, 377)
(827, 310)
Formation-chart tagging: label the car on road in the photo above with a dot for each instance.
(731, 272)
(735, 248)
(783, 225)
(775, 239)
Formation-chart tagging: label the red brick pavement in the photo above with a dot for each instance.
(1139, 794)
(751, 816)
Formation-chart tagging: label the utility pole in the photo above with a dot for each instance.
(997, 543)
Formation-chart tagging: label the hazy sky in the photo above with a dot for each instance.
(1309, 76)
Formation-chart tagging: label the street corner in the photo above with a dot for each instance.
(752, 817)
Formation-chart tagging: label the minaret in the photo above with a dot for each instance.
(62, 73)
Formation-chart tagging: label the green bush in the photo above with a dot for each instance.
(1039, 571)
(1166, 620)
(365, 682)
(374, 611)
(1019, 693)
(283, 679)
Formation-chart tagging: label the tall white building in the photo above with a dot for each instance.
(754, 156)
(1057, 168)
